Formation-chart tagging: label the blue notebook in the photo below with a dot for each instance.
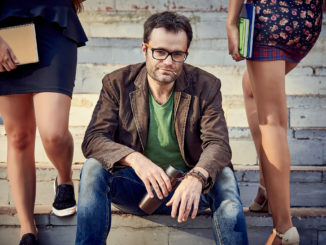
(246, 29)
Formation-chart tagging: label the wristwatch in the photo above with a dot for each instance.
(206, 181)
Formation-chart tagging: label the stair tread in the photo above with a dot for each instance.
(78, 166)
(297, 212)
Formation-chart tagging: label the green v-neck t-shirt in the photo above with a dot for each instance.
(162, 145)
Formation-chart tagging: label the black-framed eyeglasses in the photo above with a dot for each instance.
(162, 54)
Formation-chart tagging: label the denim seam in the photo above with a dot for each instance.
(107, 217)
(219, 236)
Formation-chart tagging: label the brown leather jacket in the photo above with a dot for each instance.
(120, 120)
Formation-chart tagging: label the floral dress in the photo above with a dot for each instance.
(286, 29)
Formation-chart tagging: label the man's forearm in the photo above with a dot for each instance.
(131, 159)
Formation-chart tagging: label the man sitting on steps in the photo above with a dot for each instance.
(148, 116)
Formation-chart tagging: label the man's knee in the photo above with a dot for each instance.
(230, 209)
(94, 180)
(226, 184)
(225, 192)
(230, 221)
(92, 171)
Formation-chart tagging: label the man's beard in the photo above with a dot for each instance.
(163, 78)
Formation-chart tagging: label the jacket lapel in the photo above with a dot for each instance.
(140, 107)
(182, 101)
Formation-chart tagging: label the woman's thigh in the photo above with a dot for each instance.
(289, 66)
(52, 112)
(17, 112)
(268, 85)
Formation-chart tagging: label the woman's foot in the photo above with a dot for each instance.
(28, 239)
(64, 203)
(260, 204)
(290, 237)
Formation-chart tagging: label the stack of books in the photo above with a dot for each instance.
(246, 29)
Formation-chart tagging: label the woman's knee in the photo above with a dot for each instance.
(56, 138)
(272, 112)
(21, 139)
(246, 86)
(273, 118)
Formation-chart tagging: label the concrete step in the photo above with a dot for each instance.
(307, 146)
(160, 229)
(308, 185)
(122, 24)
(304, 80)
(202, 52)
(306, 89)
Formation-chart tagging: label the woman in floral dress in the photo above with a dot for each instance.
(285, 31)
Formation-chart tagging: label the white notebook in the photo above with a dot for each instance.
(22, 40)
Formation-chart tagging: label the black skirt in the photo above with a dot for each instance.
(56, 70)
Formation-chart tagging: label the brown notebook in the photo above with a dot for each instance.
(22, 40)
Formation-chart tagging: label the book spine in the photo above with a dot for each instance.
(252, 28)
(246, 40)
(242, 27)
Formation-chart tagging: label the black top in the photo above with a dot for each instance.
(59, 11)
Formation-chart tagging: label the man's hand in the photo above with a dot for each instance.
(149, 173)
(8, 60)
(187, 195)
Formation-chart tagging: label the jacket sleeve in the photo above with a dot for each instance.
(99, 140)
(214, 134)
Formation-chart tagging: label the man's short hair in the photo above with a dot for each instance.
(171, 21)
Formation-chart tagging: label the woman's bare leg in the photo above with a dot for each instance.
(52, 119)
(268, 86)
(252, 117)
(18, 115)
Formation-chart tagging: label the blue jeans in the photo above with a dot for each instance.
(98, 188)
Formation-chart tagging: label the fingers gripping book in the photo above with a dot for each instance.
(22, 41)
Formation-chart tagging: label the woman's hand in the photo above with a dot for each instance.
(8, 60)
(233, 41)
(232, 28)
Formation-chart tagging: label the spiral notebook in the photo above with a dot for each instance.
(22, 40)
